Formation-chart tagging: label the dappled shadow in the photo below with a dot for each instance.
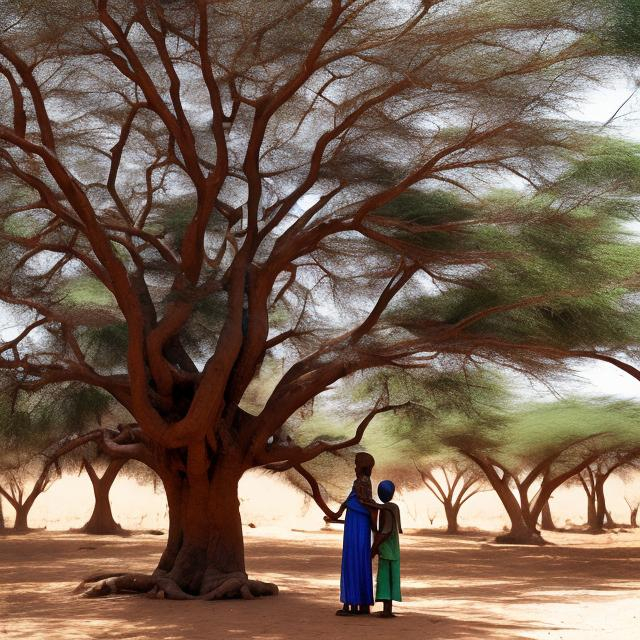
(457, 588)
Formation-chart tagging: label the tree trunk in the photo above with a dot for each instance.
(547, 519)
(521, 532)
(600, 505)
(101, 521)
(452, 518)
(21, 523)
(609, 522)
(2, 527)
(592, 517)
(204, 555)
(633, 519)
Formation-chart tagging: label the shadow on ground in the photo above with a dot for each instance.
(454, 588)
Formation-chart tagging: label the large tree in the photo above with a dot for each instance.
(542, 447)
(190, 185)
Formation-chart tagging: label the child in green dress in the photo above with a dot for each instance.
(387, 545)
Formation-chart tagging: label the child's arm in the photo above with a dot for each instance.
(384, 531)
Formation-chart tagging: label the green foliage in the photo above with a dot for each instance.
(22, 225)
(625, 32)
(30, 422)
(607, 162)
(87, 291)
(569, 429)
(105, 347)
(554, 268)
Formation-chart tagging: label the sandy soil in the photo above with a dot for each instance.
(583, 587)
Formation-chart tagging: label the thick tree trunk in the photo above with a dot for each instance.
(521, 531)
(102, 521)
(206, 543)
(2, 527)
(592, 517)
(601, 505)
(452, 518)
(547, 519)
(21, 523)
(633, 518)
(204, 556)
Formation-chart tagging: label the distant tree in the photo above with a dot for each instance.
(101, 521)
(545, 446)
(633, 504)
(452, 483)
(593, 479)
(38, 433)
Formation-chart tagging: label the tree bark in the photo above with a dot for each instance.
(451, 512)
(102, 521)
(633, 518)
(2, 526)
(547, 519)
(204, 555)
(21, 523)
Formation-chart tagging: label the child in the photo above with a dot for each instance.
(387, 545)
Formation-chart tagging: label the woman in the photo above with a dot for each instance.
(356, 580)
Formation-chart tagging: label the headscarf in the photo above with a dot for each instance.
(386, 489)
(364, 459)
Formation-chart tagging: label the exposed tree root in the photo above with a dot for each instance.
(529, 538)
(232, 585)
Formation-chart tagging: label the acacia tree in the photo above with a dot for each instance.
(593, 479)
(39, 434)
(514, 488)
(452, 484)
(101, 521)
(194, 184)
(545, 447)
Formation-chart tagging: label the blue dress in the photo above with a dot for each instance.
(356, 580)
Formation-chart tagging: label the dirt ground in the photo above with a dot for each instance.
(582, 587)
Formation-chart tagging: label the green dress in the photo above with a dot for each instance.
(388, 581)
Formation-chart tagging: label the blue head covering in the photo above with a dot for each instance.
(386, 489)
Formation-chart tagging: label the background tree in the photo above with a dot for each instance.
(452, 483)
(632, 498)
(594, 477)
(196, 236)
(101, 521)
(543, 447)
(38, 433)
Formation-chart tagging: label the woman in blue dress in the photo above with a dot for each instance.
(356, 579)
